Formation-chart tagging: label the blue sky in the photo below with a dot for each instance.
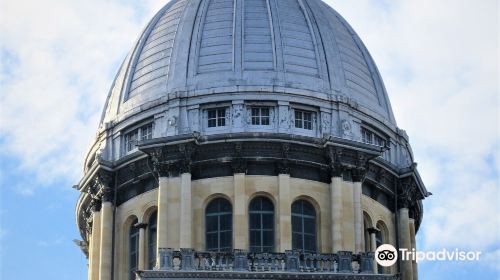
(439, 60)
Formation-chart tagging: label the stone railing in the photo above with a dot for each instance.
(238, 260)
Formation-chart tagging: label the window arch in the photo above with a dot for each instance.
(303, 226)
(133, 249)
(152, 240)
(219, 225)
(261, 224)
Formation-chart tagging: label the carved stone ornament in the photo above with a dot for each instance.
(408, 195)
(346, 129)
(283, 167)
(335, 161)
(160, 167)
(172, 122)
(107, 194)
(187, 151)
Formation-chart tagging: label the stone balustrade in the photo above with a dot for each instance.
(239, 264)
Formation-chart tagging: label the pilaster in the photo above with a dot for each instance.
(106, 240)
(405, 242)
(413, 246)
(284, 212)
(336, 213)
(162, 227)
(240, 217)
(95, 241)
(358, 217)
(186, 218)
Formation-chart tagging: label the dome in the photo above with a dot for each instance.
(222, 103)
(297, 51)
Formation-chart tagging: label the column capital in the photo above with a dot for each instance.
(95, 205)
(373, 230)
(358, 174)
(407, 194)
(107, 194)
(158, 159)
(187, 152)
(141, 225)
(239, 166)
(283, 165)
(100, 188)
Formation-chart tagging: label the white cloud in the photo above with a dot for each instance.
(58, 59)
(439, 60)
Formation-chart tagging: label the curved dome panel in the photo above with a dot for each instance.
(198, 47)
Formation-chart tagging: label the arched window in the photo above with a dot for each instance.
(303, 226)
(152, 240)
(261, 225)
(133, 249)
(219, 225)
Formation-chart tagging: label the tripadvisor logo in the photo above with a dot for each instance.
(386, 255)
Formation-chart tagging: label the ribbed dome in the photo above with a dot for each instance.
(195, 48)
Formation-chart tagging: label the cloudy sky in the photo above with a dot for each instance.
(439, 60)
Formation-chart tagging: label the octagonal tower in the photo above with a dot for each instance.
(247, 135)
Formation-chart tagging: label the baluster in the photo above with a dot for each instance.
(274, 265)
(306, 263)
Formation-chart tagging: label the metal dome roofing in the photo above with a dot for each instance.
(195, 48)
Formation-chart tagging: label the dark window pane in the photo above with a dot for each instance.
(297, 241)
(265, 112)
(303, 226)
(255, 238)
(309, 243)
(225, 222)
(255, 221)
(309, 226)
(211, 223)
(261, 214)
(255, 112)
(307, 116)
(212, 123)
(308, 209)
(298, 115)
(133, 249)
(268, 238)
(218, 225)
(267, 221)
(296, 224)
(152, 241)
(267, 205)
(225, 239)
(212, 241)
